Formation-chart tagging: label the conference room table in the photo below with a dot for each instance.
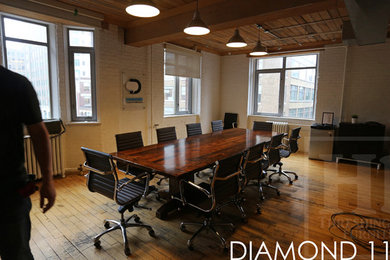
(182, 158)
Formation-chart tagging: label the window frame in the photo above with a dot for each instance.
(47, 45)
(72, 87)
(177, 100)
(282, 71)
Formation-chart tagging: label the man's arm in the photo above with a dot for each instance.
(41, 142)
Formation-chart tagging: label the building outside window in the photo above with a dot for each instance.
(26, 45)
(285, 86)
(81, 52)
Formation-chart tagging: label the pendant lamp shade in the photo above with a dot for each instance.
(142, 8)
(196, 26)
(236, 41)
(259, 50)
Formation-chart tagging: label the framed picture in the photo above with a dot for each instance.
(327, 118)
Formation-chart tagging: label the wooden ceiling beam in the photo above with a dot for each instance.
(223, 15)
(289, 48)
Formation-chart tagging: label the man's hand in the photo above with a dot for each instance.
(47, 192)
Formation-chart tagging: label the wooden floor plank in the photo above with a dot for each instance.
(302, 212)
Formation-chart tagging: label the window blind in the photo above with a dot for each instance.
(182, 62)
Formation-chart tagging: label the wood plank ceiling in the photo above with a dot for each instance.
(286, 25)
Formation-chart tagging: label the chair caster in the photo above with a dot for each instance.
(269, 180)
(296, 177)
(258, 210)
(225, 249)
(182, 227)
(97, 245)
(278, 193)
(262, 197)
(244, 219)
(190, 246)
(291, 182)
(127, 251)
(151, 233)
(218, 212)
(107, 225)
(137, 219)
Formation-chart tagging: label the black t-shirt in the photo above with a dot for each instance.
(19, 106)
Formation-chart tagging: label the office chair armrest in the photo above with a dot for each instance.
(183, 182)
(138, 177)
(95, 170)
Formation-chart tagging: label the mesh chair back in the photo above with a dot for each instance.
(193, 129)
(166, 134)
(128, 141)
(224, 189)
(216, 125)
(294, 140)
(230, 120)
(97, 182)
(263, 126)
(253, 169)
(273, 154)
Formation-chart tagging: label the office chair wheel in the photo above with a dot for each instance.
(225, 249)
(151, 233)
(278, 193)
(218, 212)
(158, 197)
(262, 197)
(137, 219)
(127, 251)
(97, 245)
(258, 209)
(107, 225)
(244, 219)
(182, 227)
(269, 180)
(291, 182)
(190, 246)
(296, 177)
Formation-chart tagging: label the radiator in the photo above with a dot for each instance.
(279, 127)
(31, 162)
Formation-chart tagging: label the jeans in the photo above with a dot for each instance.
(16, 227)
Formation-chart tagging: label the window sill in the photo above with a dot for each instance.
(84, 123)
(304, 121)
(184, 115)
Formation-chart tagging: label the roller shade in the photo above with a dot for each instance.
(182, 62)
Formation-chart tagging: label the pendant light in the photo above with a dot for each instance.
(196, 26)
(259, 49)
(236, 41)
(142, 8)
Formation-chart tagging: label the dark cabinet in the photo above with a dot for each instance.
(359, 141)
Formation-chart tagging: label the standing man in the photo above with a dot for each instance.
(19, 107)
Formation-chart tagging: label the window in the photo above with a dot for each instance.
(285, 86)
(82, 74)
(181, 80)
(26, 46)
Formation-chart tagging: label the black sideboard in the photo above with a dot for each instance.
(357, 141)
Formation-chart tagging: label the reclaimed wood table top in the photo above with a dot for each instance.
(184, 156)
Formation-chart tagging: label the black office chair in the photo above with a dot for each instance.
(216, 125)
(225, 188)
(193, 129)
(103, 179)
(230, 120)
(263, 126)
(285, 152)
(274, 157)
(128, 141)
(254, 171)
(166, 134)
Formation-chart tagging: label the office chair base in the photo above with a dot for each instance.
(206, 225)
(238, 203)
(122, 225)
(282, 173)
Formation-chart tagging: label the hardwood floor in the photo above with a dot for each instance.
(302, 213)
